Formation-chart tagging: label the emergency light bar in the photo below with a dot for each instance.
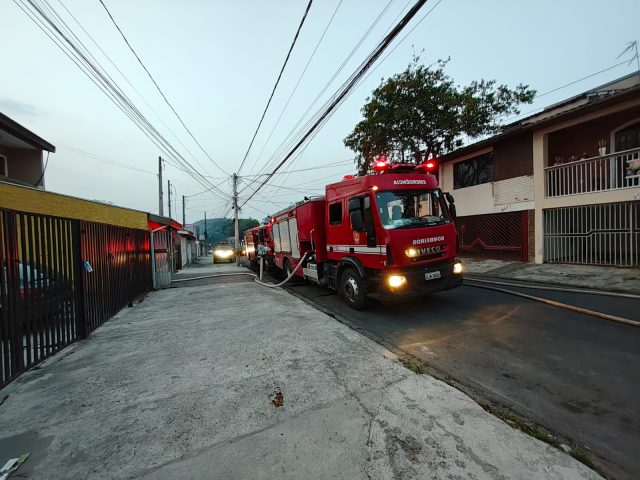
(384, 166)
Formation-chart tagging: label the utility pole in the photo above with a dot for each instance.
(183, 215)
(160, 199)
(235, 216)
(206, 235)
(169, 193)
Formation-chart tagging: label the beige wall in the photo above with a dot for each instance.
(24, 165)
(481, 199)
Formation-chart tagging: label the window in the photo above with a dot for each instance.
(335, 213)
(285, 242)
(411, 208)
(4, 168)
(474, 171)
(364, 205)
(275, 231)
(628, 138)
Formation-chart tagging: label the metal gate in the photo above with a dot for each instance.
(59, 280)
(38, 301)
(162, 258)
(603, 234)
(499, 235)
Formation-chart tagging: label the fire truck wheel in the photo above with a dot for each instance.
(354, 290)
(287, 267)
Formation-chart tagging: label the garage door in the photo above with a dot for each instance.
(603, 234)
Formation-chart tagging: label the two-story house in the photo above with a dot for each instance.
(562, 185)
(22, 154)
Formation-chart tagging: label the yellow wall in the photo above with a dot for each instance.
(32, 200)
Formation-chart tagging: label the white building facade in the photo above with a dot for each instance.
(544, 191)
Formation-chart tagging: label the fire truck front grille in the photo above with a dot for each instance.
(431, 256)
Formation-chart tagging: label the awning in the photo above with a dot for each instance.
(156, 221)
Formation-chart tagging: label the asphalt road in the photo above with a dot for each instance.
(574, 374)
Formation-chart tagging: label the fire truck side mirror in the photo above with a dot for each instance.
(357, 222)
(452, 206)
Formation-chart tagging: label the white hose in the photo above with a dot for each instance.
(573, 308)
(213, 276)
(271, 285)
(553, 288)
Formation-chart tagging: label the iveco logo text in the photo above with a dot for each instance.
(428, 240)
(409, 182)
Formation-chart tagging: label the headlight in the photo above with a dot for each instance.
(411, 252)
(223, 253)
(396, 281)
(457, 268)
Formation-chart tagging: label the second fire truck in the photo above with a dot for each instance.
(386, 234)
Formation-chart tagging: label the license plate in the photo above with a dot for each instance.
(431, 275)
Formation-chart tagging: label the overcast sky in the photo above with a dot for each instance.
(217, 61)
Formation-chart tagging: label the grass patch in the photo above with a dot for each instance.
(413, 365)
(544, 435)
(583, 457)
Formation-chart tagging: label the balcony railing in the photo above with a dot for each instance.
(598, 174)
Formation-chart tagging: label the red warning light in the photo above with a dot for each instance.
(430, 166)
(348, 177)
(381, 164)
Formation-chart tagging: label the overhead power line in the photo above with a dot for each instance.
(158, 88)
(286, 60)
(289, 139)
(316, 167)
(45, 18)
(126, 79)
(339, 97)
(295, 88)
(548, 92)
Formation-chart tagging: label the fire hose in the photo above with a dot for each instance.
(293, 272)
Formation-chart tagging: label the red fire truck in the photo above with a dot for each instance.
(390, 233)
(258, 243)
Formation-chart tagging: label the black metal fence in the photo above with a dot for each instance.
(61, 279)
(121, 262)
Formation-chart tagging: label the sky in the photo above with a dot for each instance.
(217, 61)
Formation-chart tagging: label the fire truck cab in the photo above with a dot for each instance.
(383, 235)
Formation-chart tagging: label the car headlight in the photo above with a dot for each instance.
(457, 268)
(223, 253)
(396, 281)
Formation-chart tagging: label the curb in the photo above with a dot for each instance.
(556, 283)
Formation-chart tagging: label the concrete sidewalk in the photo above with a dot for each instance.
(615, 279)
(240, 381)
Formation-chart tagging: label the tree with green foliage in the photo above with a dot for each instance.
(421, 113)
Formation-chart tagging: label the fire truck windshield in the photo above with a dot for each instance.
(411, 208)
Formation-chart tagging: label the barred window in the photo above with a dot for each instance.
(474, 171)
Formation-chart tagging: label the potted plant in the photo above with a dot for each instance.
(602, 147)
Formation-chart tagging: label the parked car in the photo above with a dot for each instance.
(223, 252)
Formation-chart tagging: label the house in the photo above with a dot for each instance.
(22, 154)
(562, 185)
